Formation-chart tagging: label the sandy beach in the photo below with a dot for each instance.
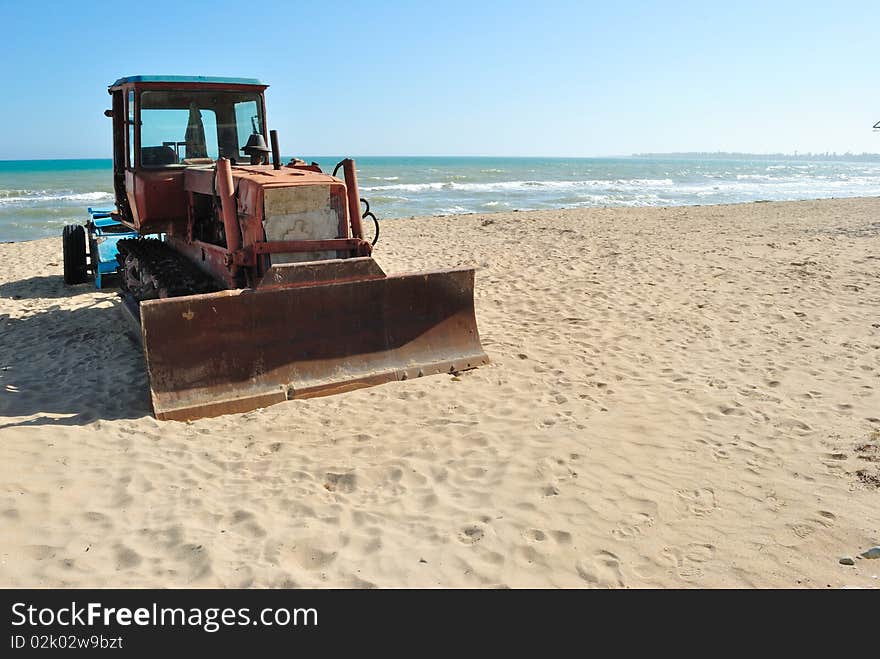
(678, 397)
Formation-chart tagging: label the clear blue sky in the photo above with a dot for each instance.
(463, 78)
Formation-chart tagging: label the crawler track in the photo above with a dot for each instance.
(151, 270)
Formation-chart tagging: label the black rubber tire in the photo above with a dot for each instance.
(73, 246)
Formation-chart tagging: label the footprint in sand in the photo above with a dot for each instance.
(699, 502)
(302, 553)
(637, 524)
(687, 562)
(802, 530)
(245, 523)
(720, 454)
(832, 463)
(306, 555)
(602, 570)
(699, 553)
(562, 537)
(535, 535)
(99, 519)
(690, 571)
(471, 535)
(345, 483)
(196, 559)
(126, 558)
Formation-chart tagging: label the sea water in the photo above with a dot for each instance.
(38, 197)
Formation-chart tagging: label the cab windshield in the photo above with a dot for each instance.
(180, 128)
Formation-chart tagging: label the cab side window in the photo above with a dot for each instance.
(130, 120)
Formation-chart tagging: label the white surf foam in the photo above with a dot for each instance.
(45, 196)
(524, 186)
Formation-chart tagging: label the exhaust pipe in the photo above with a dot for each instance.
(226, 191)
(276, 153)
(354, 198)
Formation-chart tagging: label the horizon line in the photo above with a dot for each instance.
(644, 154)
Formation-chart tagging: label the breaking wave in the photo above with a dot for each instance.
(512, 186)
(44, 196)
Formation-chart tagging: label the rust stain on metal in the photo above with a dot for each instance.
(269, 344)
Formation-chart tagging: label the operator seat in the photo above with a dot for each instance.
(158, 156)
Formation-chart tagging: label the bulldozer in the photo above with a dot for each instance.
(252, 282)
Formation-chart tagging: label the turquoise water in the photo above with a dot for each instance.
(37, 198)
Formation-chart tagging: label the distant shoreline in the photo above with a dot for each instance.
(674, 155)
(733, 155)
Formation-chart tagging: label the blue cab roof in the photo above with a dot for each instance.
(211, 79)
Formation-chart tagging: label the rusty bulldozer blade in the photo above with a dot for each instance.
(298, 335)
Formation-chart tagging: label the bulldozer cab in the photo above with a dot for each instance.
(165, 124)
